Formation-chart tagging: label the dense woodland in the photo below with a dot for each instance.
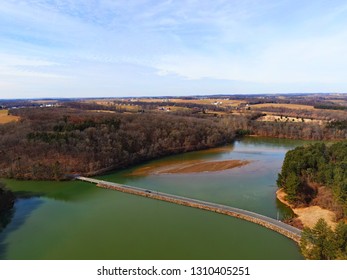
(297, 130)
(317, 163)
(49, 143)
(307, 167)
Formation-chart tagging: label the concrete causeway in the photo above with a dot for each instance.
(270, 223)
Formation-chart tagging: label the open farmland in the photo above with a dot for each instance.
(298, 111)
(5, 118)
(288, 106)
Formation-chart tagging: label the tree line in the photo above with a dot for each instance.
(330, 107)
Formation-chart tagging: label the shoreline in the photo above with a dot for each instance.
(309, 215)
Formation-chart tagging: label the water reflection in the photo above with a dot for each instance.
(15, 218)
(5, 218)
(61, 191)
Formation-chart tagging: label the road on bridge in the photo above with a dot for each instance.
(278, 226)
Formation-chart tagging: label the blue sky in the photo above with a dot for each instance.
(90, 48)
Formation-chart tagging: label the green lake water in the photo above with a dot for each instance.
(77, 220)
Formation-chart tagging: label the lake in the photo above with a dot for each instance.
(77, 220)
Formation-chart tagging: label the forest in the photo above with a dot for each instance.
(320, 163)
(51, 143)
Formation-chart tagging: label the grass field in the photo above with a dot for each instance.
(5, 118)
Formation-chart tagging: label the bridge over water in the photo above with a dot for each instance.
(275, 225)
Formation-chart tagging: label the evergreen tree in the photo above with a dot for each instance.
(341, 240)
(322, 243)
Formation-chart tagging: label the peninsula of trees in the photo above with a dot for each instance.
(307, 167)
(317, 175)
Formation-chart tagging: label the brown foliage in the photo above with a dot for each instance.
(326, 200)
(51, 143)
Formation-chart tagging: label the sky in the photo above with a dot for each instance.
(114, 48)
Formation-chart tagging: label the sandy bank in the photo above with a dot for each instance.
(192, 166)
(309, 215)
